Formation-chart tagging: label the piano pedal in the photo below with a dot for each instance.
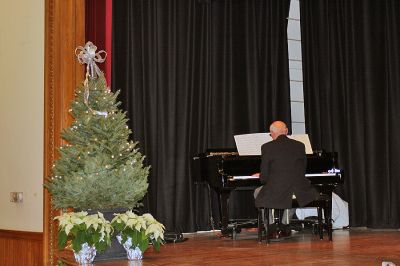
(236, 231)
(231, 231)
(315, 227)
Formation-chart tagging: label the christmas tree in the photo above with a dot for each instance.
(99, 167)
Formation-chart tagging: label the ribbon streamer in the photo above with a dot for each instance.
(87, 55)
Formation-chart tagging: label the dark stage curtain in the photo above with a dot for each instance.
(192, 74)
(351, 66)
(98, 22)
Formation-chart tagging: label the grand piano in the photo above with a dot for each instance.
(225, 171)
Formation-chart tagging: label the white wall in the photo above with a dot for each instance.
(21, 113)
(295, 68)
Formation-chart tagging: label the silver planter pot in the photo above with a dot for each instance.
(133, 253)
(86, 255)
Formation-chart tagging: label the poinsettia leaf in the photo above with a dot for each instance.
(156, 245)
(143, 245)
(135, 237)
(75, 230)
(62, 239)
(143, 235)
(129, 231)
(124, 237)
(81, 226)
(82, 238)
(96, 237)
(118, 226)
(101, 246)
(76, 245)
(108, 241)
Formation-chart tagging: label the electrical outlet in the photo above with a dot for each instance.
(16, 197)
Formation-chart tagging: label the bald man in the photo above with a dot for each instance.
(283, 166)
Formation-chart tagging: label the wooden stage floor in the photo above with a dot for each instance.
(358, 246)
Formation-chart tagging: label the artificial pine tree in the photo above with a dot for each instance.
(99, 167)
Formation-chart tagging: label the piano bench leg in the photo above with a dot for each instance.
(262, 222)
(324, 207)
(320, 223)
(260, 226)
(266, 224)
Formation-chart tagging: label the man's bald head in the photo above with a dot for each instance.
(278, 128)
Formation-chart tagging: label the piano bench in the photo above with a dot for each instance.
(324, 203)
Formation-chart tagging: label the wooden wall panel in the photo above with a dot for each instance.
(64, 31)
(21, 248)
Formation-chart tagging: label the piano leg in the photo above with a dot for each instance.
(328, 216)
(224, 204)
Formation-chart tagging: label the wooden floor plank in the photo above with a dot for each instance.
(349, 247)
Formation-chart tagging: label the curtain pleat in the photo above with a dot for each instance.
(193, 74)
(351, 94)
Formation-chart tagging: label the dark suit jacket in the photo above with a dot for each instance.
(283, 165)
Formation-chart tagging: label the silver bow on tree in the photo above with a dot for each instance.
(87, 55)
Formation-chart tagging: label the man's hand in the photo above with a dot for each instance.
(256, 174)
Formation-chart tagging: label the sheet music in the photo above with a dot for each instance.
(305, 140)
(250, 144)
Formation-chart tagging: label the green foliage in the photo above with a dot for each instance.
(62, 239)
(61, 263)
(100, 167)
(142, 230)
(80, 228)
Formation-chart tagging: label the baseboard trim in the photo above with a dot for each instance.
(33, 236)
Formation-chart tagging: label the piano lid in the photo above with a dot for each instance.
(321, 162)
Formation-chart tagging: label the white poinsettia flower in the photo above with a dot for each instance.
(124, 219)
(81, 214)
(95, 225)
(130, 223)
(138, 226)
(68, 228)
(152, 229)
(63, 220)
(70, 221)
(156, 230)
(117, 218)
(131, 215)
(108, 229)
(143, 222)
(88, 221)
(102, 234)
(148, 217)
(76, 220)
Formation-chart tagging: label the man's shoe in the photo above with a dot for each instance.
(285, 233)
(279, 233)
(272, 234)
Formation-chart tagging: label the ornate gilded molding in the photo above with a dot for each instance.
(64, 30)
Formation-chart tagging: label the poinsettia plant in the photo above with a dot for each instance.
(142, 229)
(80, 228)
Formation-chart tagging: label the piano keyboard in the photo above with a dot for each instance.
(249, 177)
